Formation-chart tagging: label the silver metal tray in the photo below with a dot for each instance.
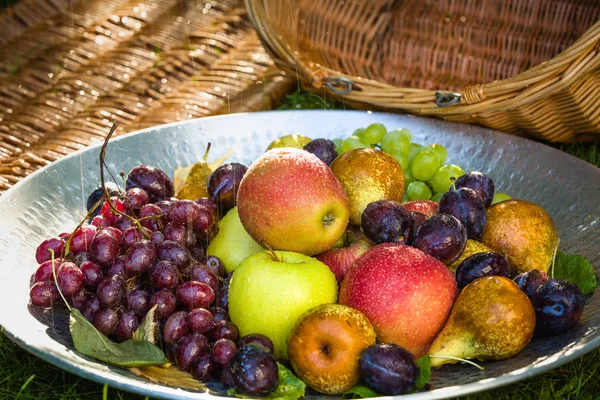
(52, 201)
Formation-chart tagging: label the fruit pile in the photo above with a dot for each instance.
(312, 257)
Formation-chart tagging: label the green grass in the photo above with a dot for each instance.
(24, 376)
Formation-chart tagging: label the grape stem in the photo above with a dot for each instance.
(479, 367)
(56, 280)
(135, 222)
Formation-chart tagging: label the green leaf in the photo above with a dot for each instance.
(91, 342)
(360, 392)
(147, 329)
(424, 364)
(577, 269)
(289, 388)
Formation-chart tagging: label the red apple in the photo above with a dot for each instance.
(426, 207)
(325, 347)
(290, 200)
(406, 294)
(353, 244)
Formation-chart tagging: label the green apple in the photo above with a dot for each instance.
(270, 290)
(232, 243)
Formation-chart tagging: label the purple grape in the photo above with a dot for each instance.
(216, 265)
(130, 236)
(118, 268)
(223, 351)
(198, 253)
(219, 314)
(136, 198)
(466, 205)
(226, 378)
(100, 222)
(165, 206)
(91, 308)
(223, 330)
(98, 193)
(531, 281)
(388, 369)
(209, 205)
(152, 180)
(176, 327)
(222, 297)
(184, 212)
(257, 339)
(200, 320)
(481, 264)
(194, 294)
(324, 149)
(164, 275)
(558, 306)
(179, 233)
(82, 257)
(385, 221)
(44, 294)
(441, 236)
(157, 238)
(122, 223)
(44, 271)
(152, 217)
(202, 273)
(223, 185)
(254, 371)
(128, 323)
(42, 253)
(115, 232)
(82, 239)
(106, 321)
(204, 368)
(204, 223)
(69, 278)
(174, 252)
(110, 291)
(137, 301)
(139, 257)
(104, 248)
(189, 349)
(92, 274)
(80, 300)
(480, 183)
(165, 302)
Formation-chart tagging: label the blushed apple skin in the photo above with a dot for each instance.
(339, 260)
(325, 347)
(426, 207)
(290, 200)
(406, 294)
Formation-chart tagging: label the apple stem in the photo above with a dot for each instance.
(328, 219)
(479, 367)
(270, 250)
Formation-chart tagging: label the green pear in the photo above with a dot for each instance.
(232, 243)
(270, 290)
(492, 319)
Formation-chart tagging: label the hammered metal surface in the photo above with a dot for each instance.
(52, 200)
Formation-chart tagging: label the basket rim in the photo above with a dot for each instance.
(537, 82)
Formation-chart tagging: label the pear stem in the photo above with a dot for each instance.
(479, 367)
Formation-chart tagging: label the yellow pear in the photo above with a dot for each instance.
(523, 232)
(492, 319)
(368, 175)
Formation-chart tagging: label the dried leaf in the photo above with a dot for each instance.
(195, 178)
(170, 376)
(147, 329)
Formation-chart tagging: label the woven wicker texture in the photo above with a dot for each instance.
(65, 79)
(528, 67)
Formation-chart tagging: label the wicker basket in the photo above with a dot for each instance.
(529, 67)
